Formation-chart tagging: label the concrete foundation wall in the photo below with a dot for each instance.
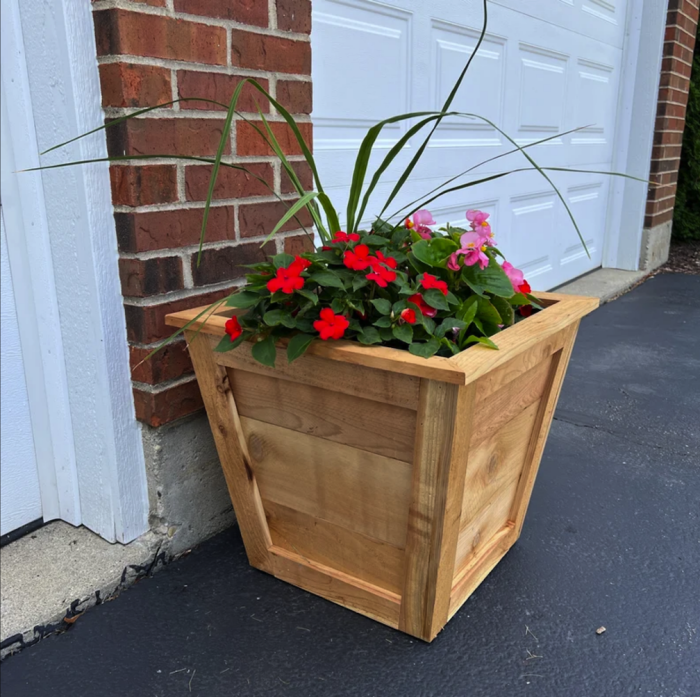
(656, 242)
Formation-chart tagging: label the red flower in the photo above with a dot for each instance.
(331, 326)
(298, 265)
(341, 236)
(524, 287)
(286, 280)
(381, 275)
(357, 259)
(432, 282)
(233, 329)
(389, 261)
(408, 315)
(526, 310)
(423, 306)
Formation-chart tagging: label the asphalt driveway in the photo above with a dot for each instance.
(612, 540)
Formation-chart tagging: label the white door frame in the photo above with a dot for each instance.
(72, 324)
(634, 133)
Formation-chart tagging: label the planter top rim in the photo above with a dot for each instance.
(559, 312)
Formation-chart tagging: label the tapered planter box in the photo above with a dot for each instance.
(384, 482)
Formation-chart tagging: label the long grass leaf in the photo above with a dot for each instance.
(298, 205)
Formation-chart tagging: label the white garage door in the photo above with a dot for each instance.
(545, 67)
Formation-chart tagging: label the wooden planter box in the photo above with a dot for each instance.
(386, 483)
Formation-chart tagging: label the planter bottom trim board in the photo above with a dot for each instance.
(386, 483)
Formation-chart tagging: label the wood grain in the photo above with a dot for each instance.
(444, 421)
(361, 423)
(231, 446)
(368, 383)
(336, 547)
(361, 491)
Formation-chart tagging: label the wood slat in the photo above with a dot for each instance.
(507, 402)
(360, 491)
(339, 588)
(368, 383)
(316, 540)
(444, 428)
(231, 446)
(476, 535)
(497, 460)
(383, 429)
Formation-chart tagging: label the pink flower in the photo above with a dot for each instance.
(453, 262)
(478, 222)
(425, 232)
(473, 256)
(419, 223)
(515, 276)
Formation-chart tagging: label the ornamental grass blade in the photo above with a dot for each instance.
(445, 107)
(298, 205)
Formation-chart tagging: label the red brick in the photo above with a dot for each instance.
(145, 324)
(658, 193)
(676, 111)
(160, 408)
(220, 88)
(144, 277)
(667, 138)
(264, 52)
(121, 32)
(230, 183)
(151, 3)
(667, 123)
(676, 66)
(295, 96)
(166, 137)
(675, 81)
(244, 11)
(294, 15)
(143, 186)
(668, 94)
(298, 244)
(249, 141)
(130, 85)
(143, 232)
(656, 208)
(659, 166)
(169, 363)
(677, 50)
(654, 220)
(665, 152)
(303, 172)
(259, 219)
(227, 263)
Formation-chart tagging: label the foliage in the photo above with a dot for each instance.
(686, 216)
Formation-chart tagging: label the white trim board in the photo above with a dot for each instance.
(76, 278)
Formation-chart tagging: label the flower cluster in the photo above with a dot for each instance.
(406, 286)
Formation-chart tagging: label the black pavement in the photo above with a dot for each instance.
(612, 539)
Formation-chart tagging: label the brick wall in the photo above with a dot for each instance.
(679, 43)
(153, 51)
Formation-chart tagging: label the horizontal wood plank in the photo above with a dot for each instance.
(507, 402)
(339, 588)
(362, 557)
(368, 383)
(365, 493)
(384, 429)
(478, 531)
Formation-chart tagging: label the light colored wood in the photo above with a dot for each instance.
(231, 446)
(336, 547)
(368, 383)
(383, 429)
(484, 524)
(442, 435)
(541, 431)
(473, 573)
(507, 402)
(360, 491)
(369, 600)
(497, 460)
(479, 360)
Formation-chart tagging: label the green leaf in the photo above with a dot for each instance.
(337, 305)
(368, 335)
(403, 332)
(227, 345)
(487, 312)
(436, 299)
(505, 310)
(481, 340)
(297, 206)
(272, 318)
(467, 311)
(375, 241)
(435, 252)
(382, 306)
(448, 325)
(243, 300)
(493, 278)
(534, 301)
(282, 260)
(383, 322)
(264, 351)
(308, 294)
(519, 299)
(297, 346)
(327, 279)
(359, 282)
(425, 349)
(386, 334)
